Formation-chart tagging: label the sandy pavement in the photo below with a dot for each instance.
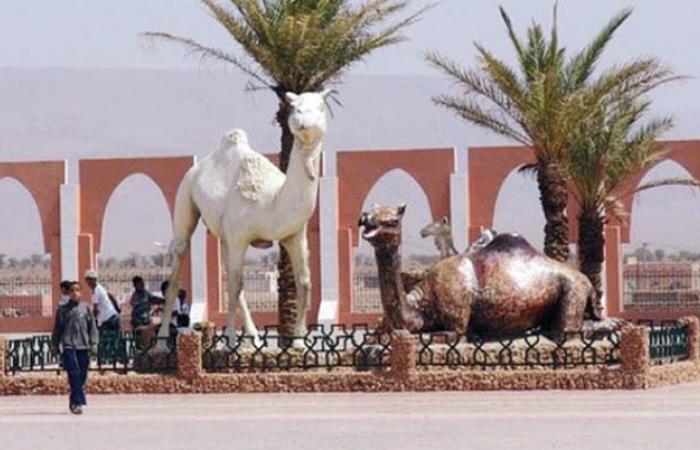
(656, 419)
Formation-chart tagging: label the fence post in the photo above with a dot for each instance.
(3, 353)
(634, 355)
(693, 324)
(208, 331)
(402, 356)
(189, 355)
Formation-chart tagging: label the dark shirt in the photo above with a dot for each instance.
(141, 302)
(74, 327)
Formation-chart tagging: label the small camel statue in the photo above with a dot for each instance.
(504, 289)
(244, 199)
(441, 231)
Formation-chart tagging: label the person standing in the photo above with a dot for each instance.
(105, 311)
(108, 322)
(65, 292)
(141, 302)
(75, 337)
(183, 309)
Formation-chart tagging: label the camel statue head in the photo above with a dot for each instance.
(382, 225)
(307, 120)
(438, 228)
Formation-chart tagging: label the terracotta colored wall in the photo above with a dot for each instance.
(43, 180)
(685, 153)
(99, 178)
(488, 169)
(358, 172)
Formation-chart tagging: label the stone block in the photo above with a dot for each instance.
(634, 350)
(189, 355)
(693, 324)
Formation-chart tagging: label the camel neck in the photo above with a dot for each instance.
(390, 285)
(445, 246)
(301, 185)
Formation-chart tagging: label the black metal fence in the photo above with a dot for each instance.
(119, 352)
(668, 343)
(358, 347)
(30, 355)
(457, 350)
(322, 348)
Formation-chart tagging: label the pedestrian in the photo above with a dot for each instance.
(105, 311)
(183, 309)
(75, 337)
(141, 302)
(180, 317)
(65, 292)
(108, 321)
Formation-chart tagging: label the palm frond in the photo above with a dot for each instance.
(690, 182)
(581, 67)
(474, 113)
(204, 53)
(302, 45)
(529, 169)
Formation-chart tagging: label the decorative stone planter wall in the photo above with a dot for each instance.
(633, 372)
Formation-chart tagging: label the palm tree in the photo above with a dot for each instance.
(615, 147)
(299, 46)
(540, 103)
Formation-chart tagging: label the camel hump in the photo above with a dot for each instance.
(507, 242)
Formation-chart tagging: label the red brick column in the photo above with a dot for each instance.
(189, 355)
(693, 324)
(402, 355)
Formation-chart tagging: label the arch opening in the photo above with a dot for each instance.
(25, 268)
(391, 189)
(518, 208)
(661, 262)
(136, 233)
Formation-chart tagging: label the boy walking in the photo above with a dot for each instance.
(75, 336)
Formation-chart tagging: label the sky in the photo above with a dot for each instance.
(77, 81)
(104, 33)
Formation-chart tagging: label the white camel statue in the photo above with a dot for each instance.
(245, 200)
(442, 235)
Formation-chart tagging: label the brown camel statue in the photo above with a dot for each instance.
(504, 289)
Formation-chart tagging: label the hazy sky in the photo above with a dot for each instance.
(44, 113)
(104, 33)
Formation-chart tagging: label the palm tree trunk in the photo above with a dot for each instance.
(591, 254)
(286, 288)
(554, 197)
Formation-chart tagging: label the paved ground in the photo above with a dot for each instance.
(657, 419)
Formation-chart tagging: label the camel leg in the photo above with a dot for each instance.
(298, 249)
(185, 220)
(572, 303)
(248, 324)
(235, 258)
